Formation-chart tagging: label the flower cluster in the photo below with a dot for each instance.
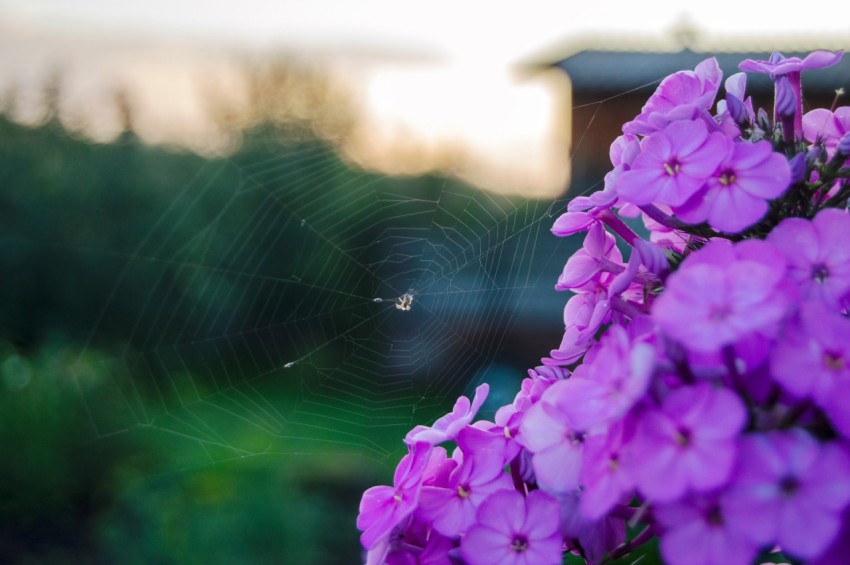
(701, 393)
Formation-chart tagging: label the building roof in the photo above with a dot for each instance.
(616, 64)
(619, 71)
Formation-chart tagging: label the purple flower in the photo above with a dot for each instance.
(623, 151)
(826, 126)
(779, 65)
(682, 95)
(592, 265)
(514, 530)
(531, 390)
(411, 543)
(789, 490)
(817, 253)
(384, 507)
(436, 551)
(451, 508)
(724, 293)
(698, 533)
(447, 427)
(736, 195)
(812, 356)
(689, 443)
(785, 73)
(583, 315)
(555, 437)
(595, 537)
(570, 223)
(837, 553)
(605, 480)
(619, 370)
(550, 374)
(674, 164)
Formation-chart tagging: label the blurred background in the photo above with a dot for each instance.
(211, 213)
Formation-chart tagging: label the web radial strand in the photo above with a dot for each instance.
(308, 306)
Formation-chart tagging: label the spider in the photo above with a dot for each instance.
(404, 302)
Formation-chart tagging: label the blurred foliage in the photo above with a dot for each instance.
(110, 251)
(70, 495)
(73, 214)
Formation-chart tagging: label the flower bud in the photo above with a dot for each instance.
(843, 147)
(652, 257)
(798, 168)
(776, 57)
(814, 155)
(786, 100)
(736, 109)
(763, 120)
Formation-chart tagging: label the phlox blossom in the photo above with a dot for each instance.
(447, 427)
(592, 265)
(724, 293)
(384, 507)
(779, 65)
(450, 508)
(682, 95)
(818, 254)
(688, 443)
(826, 126)
(674, 164)
(697, 532)
(514, 530)
(790, 490)
(812, 357)
(736, 195)
(605, 480)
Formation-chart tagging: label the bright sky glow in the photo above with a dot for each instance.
(431, 73)
(481, 29)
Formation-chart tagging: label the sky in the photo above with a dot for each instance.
(427, 75)
(473, 29)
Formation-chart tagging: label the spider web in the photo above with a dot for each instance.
(281, 307)
(313, 308)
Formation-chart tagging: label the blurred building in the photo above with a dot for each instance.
(612, 77)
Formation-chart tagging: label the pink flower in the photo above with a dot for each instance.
(605, 480)
(451, 508)
(570, 223)
(447, 427)
(790, 490)
(594, 265)
(826, 126)
(514, 530)
(724, 293)
(689, 443)
(812, 358)
(785, 74)
(674, 164)
(618, 370)
(698, 533)
(817, 253)
(583, 315)
(736, 195)
(679, 96)
(779, 65)
(555, 437)
(384, 507)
